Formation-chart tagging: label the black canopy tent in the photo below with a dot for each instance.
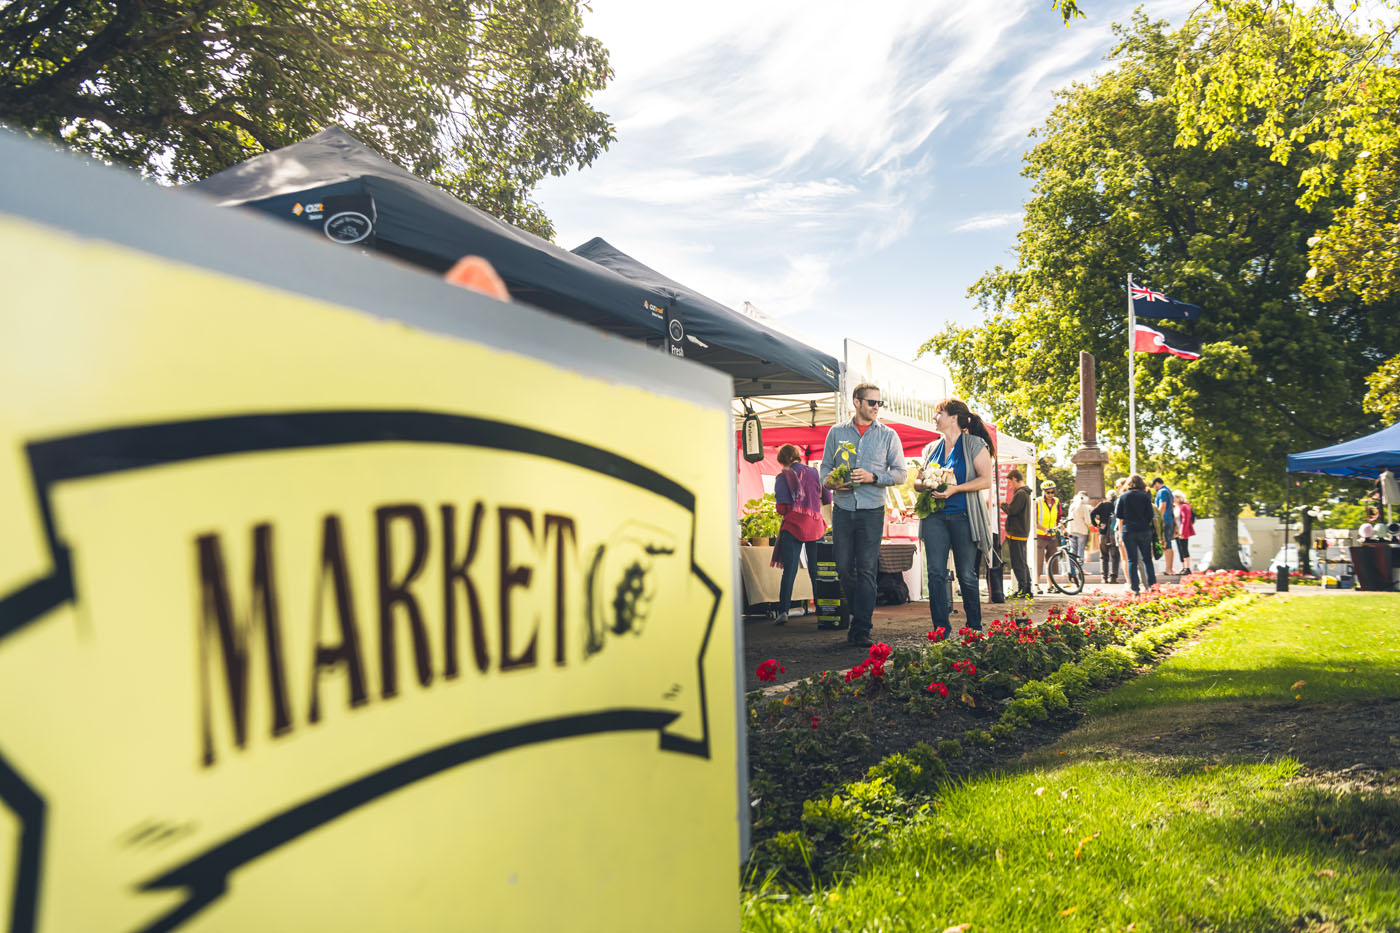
(768, 358)
(332, 184)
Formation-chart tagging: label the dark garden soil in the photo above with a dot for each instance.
(1347, 742)
(881, 728)
(888, 729)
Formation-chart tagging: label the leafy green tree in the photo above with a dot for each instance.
(1383, 391)
(1113, 194)
(1046, 468)
(482, 98)
(1069, 9)
(1347, 515)
(1302, 82)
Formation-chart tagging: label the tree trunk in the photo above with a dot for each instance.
(1225, 550)
(1304, 541)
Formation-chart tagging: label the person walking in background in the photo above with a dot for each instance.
(1078, 516)
(1134, 512)
(1185, 528)
(1162, 502)
(858, 505)
(961, 525)
(1120, 486)
(1018, 530)
(1103, 520)
(1047, 517)
(800, 496)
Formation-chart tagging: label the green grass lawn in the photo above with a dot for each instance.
(1341, 647)
(1091, 840)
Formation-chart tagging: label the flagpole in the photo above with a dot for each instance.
(1132, 397)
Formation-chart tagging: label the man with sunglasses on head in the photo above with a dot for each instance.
(858, 505)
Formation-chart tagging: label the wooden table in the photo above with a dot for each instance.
(761, 582)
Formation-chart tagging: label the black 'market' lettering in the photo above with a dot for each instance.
(512, 577)
(348, 648)
(233, 634)
(559, 524)
(393, 594)
(452, 573)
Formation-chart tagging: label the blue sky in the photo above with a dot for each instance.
(849, 169)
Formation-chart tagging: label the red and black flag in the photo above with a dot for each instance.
(1147, 303)
(1164, 340)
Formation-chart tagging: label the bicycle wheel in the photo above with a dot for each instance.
(1066, 573)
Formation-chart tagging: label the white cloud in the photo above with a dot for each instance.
(792, 153)
(791, 198)
(889, 231)
(988, 221)
(673, 186)
(790, 81)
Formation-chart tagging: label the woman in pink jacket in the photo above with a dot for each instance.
(1185, 528)
(800, 496)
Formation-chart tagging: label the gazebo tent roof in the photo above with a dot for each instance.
(1363, 457)
(420, 223)
(769, 363)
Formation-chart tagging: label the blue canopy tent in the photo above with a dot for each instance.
(1362, 458)
(332, 185)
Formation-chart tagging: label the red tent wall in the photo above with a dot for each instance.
(812, 441)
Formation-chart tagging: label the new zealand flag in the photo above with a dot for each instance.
(1147, 303)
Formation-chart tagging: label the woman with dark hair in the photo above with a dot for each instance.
(961, 524)
(800, 496)
(1134, 512)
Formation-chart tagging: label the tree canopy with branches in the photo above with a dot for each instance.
(482, 97)
(1383, 391)
(1313, 88)
(1221, 227)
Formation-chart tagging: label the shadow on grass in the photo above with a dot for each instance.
(1329, 736)
(1173, 684)
(1343, 848)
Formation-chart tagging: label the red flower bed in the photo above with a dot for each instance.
(831, 727)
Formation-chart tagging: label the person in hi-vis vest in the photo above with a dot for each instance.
(1047, 516)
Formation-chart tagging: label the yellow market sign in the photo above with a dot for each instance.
(302, 626)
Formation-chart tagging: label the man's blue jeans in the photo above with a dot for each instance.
(1138, 544)
(942, 533)
(855, 537)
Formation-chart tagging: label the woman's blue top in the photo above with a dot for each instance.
(956, 504)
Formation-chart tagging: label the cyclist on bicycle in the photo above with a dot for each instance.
(1047, 516)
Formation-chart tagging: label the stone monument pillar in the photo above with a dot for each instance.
(1088, 460)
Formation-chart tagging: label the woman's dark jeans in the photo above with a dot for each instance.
(942, 533)
(1139, 547)
(789, 552)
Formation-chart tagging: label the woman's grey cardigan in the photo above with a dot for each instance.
(976, 506)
